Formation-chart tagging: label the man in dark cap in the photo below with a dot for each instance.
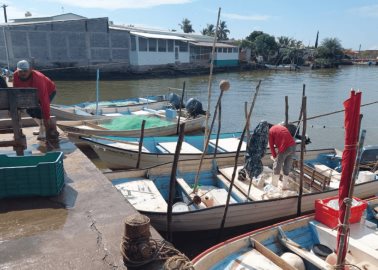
(25, 76)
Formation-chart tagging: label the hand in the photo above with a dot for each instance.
(272, 158)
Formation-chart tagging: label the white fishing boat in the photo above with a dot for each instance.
(301, 243)
(107, 109)
(123, 152)
(147, 191)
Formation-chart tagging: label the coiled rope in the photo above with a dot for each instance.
(138, 248)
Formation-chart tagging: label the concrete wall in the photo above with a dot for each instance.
(72, 43)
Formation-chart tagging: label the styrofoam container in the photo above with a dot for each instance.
(365, 176)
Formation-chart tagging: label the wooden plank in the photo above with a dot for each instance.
(19, 138)
(26, 98)
(270, 255)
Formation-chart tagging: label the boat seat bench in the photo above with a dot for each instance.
(314, 178)
(228, 145)
(170, 147)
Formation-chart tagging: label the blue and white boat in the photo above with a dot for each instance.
(297, 244)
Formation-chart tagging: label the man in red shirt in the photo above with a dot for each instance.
(24, 76)
(280, 138)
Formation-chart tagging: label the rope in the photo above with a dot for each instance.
(141, 251)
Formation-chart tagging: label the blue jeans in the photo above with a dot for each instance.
(36, 112)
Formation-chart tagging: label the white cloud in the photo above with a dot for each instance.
(366, 11)
(118, 4)
(235, 16)
(17, 13)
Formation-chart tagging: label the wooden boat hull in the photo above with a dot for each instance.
(249, 213)
(234, 251)
(80, 127)
(241, 213)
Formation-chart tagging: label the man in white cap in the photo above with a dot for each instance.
(25, 76)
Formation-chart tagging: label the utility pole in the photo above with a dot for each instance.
(4, 6)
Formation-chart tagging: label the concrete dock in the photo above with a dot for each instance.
(79, 229)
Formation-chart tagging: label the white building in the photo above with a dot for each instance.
(154, 48)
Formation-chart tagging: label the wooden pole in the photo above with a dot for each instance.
(300, 111)
(219, 128)
(211, 79)
(246, 114)
(140, 143)
(182, 100)
(236, 162)
(286, 111)
(172, 182)
(303, 145)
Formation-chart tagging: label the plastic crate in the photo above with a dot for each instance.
(38, 175)
(330, 216)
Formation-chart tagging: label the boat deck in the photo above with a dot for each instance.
(79, 229)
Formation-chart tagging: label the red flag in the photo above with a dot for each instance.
(351, 124)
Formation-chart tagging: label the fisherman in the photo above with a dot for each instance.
(280, 138)
(25, 76)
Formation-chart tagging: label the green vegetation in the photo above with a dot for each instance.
(186, 26)
(329, 53)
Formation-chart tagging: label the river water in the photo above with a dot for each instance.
(325, 90)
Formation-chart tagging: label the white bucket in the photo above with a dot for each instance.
(180, 207)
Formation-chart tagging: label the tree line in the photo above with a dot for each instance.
(280, 50)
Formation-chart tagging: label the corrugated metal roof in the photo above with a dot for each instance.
(210, 44)
(159, 36)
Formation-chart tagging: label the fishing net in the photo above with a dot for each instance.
(132, 122)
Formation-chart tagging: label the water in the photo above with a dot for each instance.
(326, 91)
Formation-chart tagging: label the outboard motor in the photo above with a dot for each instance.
(194, 107)
(175, 100)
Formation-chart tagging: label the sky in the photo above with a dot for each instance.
(353, 22)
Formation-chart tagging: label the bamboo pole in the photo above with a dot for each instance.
(348, 203)
(172, 182)
(330, 113)
(286, 111)
(140, 143)
(236, 162)
(303, 145)
(211, 79)
(182, 100)
(219, 128)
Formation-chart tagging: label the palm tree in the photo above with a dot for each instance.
(209, 30)
(186, 26)
(284, 42)
(222, 31)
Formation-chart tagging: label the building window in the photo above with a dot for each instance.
(162, 45)
(183, 46)
(219, 50)
(170, 45)
(142, 44)
(229, 50)
(224, 50)
(133, 43)
(235, 50)
(152, 44)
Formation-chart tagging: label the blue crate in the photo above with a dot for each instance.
(36, 175)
